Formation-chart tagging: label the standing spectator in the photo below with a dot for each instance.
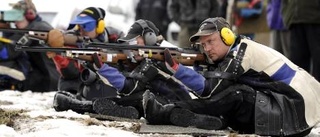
(188, 14)
(155, 11)
(27, 71)
(280, 36)
(303, 20)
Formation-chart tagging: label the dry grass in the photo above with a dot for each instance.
(8, 117)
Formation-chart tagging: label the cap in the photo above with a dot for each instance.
(89, 14)
(136, 30)
(209, 26)
(23, 5)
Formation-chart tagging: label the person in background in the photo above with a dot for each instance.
(156, 12)
(27, 71)
(280, 35)
(244, 13)
(88, 23)
(188, 14)
(251, 85)
(303, 21)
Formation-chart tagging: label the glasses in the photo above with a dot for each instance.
(90, 26)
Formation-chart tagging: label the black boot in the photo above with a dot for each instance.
(185, 118)
(108, 107)
(64, 101)
(155, 112)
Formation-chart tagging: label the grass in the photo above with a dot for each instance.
(7, 117)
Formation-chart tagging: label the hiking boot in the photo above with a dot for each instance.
(185, 118)
(155, 112)
(64, 101)
(108, 107)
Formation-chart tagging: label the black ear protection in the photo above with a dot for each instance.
(149, 36)
(227, 35)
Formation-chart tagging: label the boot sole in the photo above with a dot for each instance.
(108, 107)
(185, 118)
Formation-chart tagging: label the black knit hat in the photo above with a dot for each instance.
(88, 15)
(94, 12)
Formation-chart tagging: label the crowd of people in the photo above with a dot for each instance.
(241, 84)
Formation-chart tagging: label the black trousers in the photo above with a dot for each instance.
(305, 47)
(235, 104)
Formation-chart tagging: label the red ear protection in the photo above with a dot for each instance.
(30, 14)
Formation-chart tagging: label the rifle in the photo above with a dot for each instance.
(113, 53)
(109, 52)
(42, 35)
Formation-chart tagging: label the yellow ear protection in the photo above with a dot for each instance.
(100, 27)
(148, 34)
(227, 35)
(100, 23)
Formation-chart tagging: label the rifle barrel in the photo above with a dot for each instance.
(46, 49)
(117, 46)
(10, 30)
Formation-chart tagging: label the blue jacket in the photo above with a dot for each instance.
(274, 17)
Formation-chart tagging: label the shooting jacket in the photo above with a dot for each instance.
(287, 97)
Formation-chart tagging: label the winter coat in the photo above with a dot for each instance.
(155, 11)
(274, 17)
(192, 12)
(299, 11)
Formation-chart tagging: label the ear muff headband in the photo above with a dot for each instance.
(148, 34)
(100, 23)
(227, 35)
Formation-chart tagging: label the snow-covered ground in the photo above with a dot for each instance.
(37, 118)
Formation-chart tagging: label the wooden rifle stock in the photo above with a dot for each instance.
(184, 58)
(105, 57)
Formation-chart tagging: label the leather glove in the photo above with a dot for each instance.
(97, 62)
(148, 71)
(171, 64)
(55, 38)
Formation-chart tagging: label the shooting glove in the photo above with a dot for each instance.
(148, 71)
(97, 62)
(171, 64)
(55, 38)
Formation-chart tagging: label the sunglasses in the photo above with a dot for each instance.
(90, 26)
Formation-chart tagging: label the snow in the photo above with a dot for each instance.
(42, 120)
(45, 121)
